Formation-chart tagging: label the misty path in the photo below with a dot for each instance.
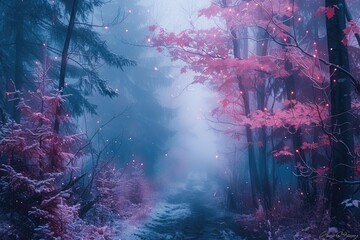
(189, 212)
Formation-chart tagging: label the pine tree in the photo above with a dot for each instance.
(35, 32)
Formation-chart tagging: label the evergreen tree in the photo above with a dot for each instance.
(35, 33)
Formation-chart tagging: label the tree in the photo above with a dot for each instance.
(291, 71)
(34, 163)
(35, 32)
(342, 156)
(143, 128)
(64, 57)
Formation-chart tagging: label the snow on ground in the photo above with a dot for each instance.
(185, 213)
(164, 214)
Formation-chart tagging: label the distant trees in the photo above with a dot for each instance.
(142, 129)
(265, 61)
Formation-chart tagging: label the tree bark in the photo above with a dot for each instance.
(342, 144)
(64, 57)
(264, 181)
(19, 67)
(254, 177)
(303, 186)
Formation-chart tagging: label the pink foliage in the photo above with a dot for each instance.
(37, 162)
(309, 146)
(352, 28)
(322, 171)
(329, 11)
(124, 191)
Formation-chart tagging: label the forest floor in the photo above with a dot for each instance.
(188, 212)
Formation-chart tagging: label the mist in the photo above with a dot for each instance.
(182, 119)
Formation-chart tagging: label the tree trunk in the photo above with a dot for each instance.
(64, 57)
(342, 144)
(254, 177)
(264, 181)
(19, 67)
(303, 186)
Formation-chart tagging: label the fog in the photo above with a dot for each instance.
(179, 119)
(193, 147)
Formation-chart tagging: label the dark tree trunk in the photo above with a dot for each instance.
(264, 181)
(303, 185)
(19, 67)
(64, 57)
(302, 182)
(254, 177)
(342, 144)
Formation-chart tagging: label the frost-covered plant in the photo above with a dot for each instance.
(35, 162)
(123, 193)
(351, 203)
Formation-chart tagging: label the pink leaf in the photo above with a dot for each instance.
(183, 70)
(214, 111)
(330, 12)
(225, 102)
(152, 28)
(320, 11)
(345, 41)
(209, 12)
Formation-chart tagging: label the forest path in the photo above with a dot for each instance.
(189, 212)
